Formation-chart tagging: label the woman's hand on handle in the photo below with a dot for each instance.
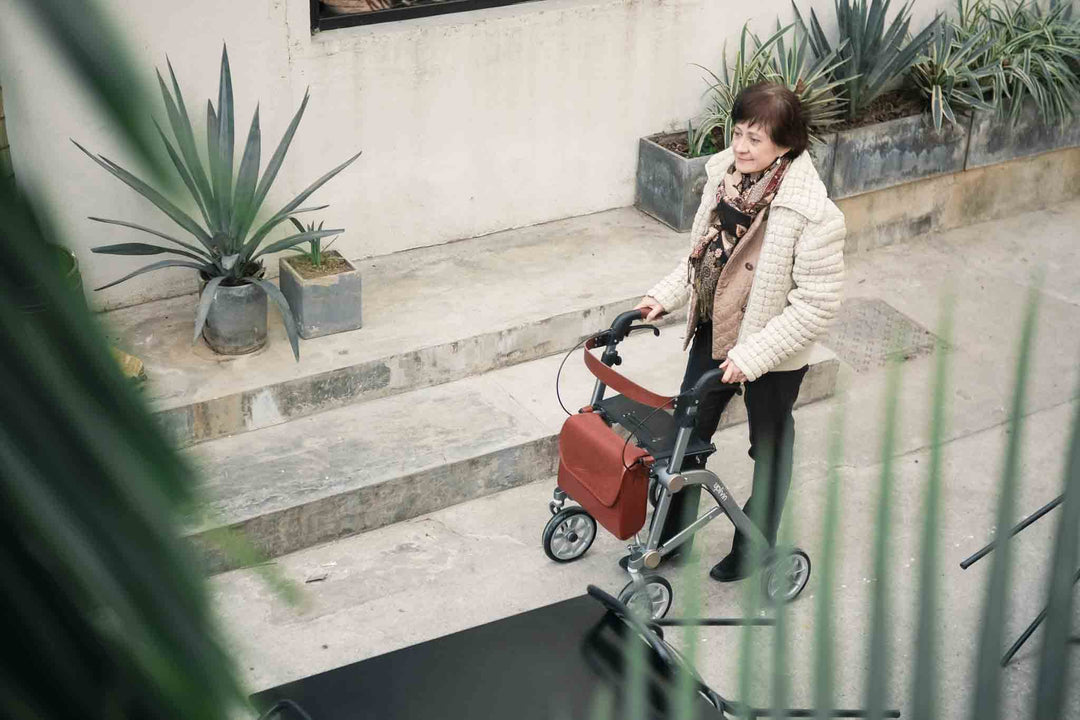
(655, 309)
(732, 373)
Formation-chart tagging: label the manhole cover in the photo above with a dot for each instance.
(868, 330)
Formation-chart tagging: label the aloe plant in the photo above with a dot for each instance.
(229, 246)
(876, 56)
(952, 74)
(1038, 50)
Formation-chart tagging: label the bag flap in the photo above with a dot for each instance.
(596, 456)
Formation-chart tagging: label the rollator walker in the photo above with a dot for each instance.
(611, 482)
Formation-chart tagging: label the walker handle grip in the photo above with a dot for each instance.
(712, 381)
(621, 327)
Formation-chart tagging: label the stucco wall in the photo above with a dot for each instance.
(470, 123)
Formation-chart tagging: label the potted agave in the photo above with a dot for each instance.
(322, 287)
(228, 246)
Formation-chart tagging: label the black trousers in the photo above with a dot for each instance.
(769, 401)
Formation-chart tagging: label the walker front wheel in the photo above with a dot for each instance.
(785, 575)
(569, 534)
(648, 598)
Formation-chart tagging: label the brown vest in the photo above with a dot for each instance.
(732, 290)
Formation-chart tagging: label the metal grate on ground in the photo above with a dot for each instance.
(868, 331)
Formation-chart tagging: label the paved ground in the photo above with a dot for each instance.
(481, 560)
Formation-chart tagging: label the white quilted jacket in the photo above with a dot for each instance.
(800, 272)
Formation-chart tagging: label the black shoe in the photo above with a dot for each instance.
(733, 567)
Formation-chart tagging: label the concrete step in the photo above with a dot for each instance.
(381, 461)
(431, 315)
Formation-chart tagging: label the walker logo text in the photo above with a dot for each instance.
(719, 491)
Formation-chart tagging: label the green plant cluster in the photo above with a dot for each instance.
(1036, 52)
(993, 55)
(230, 246)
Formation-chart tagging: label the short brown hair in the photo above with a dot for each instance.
(777, 109)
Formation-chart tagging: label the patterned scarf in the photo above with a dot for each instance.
(749, 195)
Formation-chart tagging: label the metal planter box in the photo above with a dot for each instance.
(824, 154)
(324, 305)
(669, 185)
(994, 140)
(896, 152)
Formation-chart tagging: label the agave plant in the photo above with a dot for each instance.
(771, 60)
(752, 65)
(315, 250)
(952, 74)
(229, 245)
(876, 57)
(822, 104)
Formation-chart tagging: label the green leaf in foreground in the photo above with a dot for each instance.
(986, 703)
(824, 650)
(924, 688)
(878, 673)
(1056, 651)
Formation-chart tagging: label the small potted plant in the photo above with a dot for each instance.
(229, 247)
(321, 286)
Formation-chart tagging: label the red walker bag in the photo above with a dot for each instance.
(593, 463)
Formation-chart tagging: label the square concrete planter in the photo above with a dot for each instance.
(669, 185)
(995, 140)
(323, 305)
(896, 152)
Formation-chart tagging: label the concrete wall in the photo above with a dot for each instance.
(470, 123)
(945, 202)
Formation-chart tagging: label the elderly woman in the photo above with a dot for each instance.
(763, 280)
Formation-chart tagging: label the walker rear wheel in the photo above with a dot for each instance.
(649, 598)
(569, 534)
(785, 575)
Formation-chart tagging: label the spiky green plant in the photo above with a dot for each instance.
(810, 77)
(105, 609)
(751, 65)
(769, 60)
(1039, 53)
(315, 249)
(229, 246)
(877, 57)
(952, 74)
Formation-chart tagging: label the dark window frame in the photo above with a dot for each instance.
(320, 22)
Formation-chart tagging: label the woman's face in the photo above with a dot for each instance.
(753, 147)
